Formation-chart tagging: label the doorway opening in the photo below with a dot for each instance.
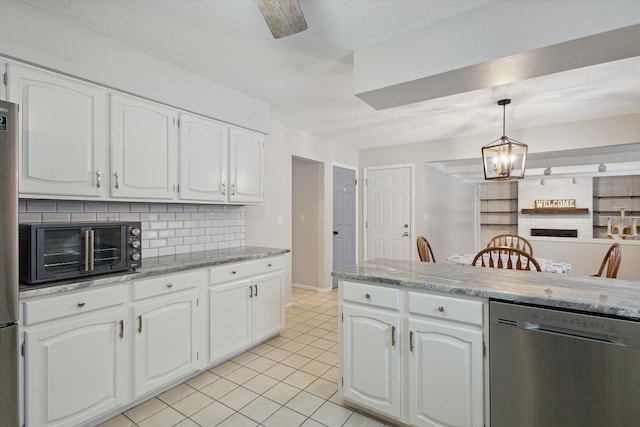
(307, 206)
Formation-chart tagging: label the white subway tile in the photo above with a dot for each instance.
(166, 233)
(185, 249)
(149, 253)
(210, 246)
(175, 224)
(197, 248)
(158, 243)
(168, 216)
(157, 225)
(83, 217)
(167, 251)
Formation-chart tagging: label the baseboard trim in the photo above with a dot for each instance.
(311, 288)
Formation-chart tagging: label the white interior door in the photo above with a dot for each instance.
(388, 217)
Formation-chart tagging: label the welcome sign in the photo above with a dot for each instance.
(555, 203)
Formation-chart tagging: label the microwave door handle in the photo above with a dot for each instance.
(91, 248)
(85, 244)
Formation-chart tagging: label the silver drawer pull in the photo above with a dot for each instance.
(269, 265)
(81, 304)
(367, 296)
(440, 308)
(233, 272)
(169, 285)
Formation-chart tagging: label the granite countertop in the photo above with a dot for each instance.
(584, 293)
(155, 266)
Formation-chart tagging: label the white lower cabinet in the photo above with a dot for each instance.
(229, 319)
(247, 310)
(371, 358)
(445, 374)
(165, 336)
(76, 364)
(423, 349)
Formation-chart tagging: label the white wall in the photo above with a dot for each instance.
(31, 35)
(449, 214)
(281, 146)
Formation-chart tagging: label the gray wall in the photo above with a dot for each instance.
(305, 221)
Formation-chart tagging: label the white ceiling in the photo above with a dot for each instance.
(307, 77)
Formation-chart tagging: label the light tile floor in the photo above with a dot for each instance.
(289, 381)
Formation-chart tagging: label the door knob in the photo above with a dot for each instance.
(406, 234)
(335, 233)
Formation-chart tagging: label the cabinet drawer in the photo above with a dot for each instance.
(444, 307)
(371, 295)
(241, 270)
(168, 283)
(76, 303)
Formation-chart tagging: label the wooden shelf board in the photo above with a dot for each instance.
(556, 211)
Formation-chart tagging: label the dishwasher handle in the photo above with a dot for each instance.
(568, 333)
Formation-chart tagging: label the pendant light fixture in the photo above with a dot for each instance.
(505, 158)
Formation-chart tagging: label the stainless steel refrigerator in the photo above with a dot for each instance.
(9, 264)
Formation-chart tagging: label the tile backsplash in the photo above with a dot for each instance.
(167, 228)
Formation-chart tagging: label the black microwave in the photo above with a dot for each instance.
(51, 252)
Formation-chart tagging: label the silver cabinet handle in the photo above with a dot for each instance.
(269, 265)
(169, 285)
(91, 253)
(411, 341)
(256, 290)
(223, 189)
(440, 308)
(85, 241)
(117, 176)
(393, 336)
(140, 324)
(81, 304)
(367, 296)
(250, 291)
(233, 272)
(233, 189)
(122, 329)
(98, 179)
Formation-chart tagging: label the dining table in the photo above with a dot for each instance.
(546, 265)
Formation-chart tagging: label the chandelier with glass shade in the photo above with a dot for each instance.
(505, 158)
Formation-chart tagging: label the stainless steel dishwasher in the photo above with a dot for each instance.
(554, 368)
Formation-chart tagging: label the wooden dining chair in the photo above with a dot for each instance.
(611, 262)
(507, 258)
(424, 250)
(512, 241)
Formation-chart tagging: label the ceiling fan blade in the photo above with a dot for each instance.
(284, 17)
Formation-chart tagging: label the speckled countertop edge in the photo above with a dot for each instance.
(590, 294)
(156, 266)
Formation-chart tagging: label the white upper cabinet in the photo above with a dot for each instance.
(246, 166)
(203, 159)
(143, 149)
(81, 141)
(63, 143)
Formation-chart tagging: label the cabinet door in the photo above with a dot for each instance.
(445, 374)
(143, 149)
(165, 340)
(203, 159)
(63, 143)
(371, 358)
(229, 319)
(246, 166)
(76, 370)
(267, 306)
